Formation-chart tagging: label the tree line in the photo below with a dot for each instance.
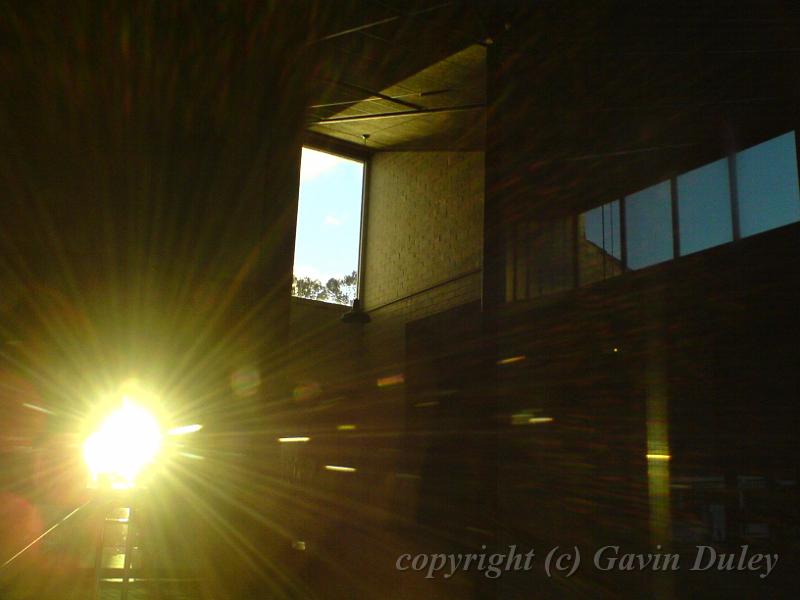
(340, 291)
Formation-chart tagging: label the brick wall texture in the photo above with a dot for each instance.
(422, 256)
(424, 227)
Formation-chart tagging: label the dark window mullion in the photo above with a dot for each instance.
(362, 233)
(575, 249)
(623, 235)
(676, 234)
(603, 234)
(734, 196)
(511, 271)
(797, 150)
(530, 268)
(517, 270)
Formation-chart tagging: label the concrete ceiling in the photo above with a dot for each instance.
(424, 63)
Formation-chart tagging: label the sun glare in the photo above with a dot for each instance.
(127, 441)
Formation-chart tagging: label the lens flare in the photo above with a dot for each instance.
(185, 429)
(127, 441)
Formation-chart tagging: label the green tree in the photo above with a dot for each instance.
(340, 291)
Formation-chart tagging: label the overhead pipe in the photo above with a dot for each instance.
(402, 113)
(379, 22)
(375, 96)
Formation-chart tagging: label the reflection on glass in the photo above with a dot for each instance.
(521, 265)
(704, 208)
(599, 243)
(648, 223)
(767, 185)
(541, 255)
(551, 257)
(510, 266)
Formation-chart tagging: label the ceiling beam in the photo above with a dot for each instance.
(363, 90)
(399, 114)
(375, 97)
(372, 24)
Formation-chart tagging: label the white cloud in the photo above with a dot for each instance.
(315, 163)
(331, 220)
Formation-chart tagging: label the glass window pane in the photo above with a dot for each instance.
(551, 257)
(767, 185)
(704, 207)
(522, 258)
(599, 245)
(328, 227)
(510, 263)
(648, 226)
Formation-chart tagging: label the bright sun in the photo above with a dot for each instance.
(127, 441)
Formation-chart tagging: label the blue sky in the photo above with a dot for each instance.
(328, 216)
(768, 197)
(768, 190)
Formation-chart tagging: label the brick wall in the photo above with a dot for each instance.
(424, 225)
(422, 257)
(423, 246)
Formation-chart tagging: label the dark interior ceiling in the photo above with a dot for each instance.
(421, 61)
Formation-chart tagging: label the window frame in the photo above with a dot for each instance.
(733, 199)
(737, 176)
(341, 149)
(512, 272)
